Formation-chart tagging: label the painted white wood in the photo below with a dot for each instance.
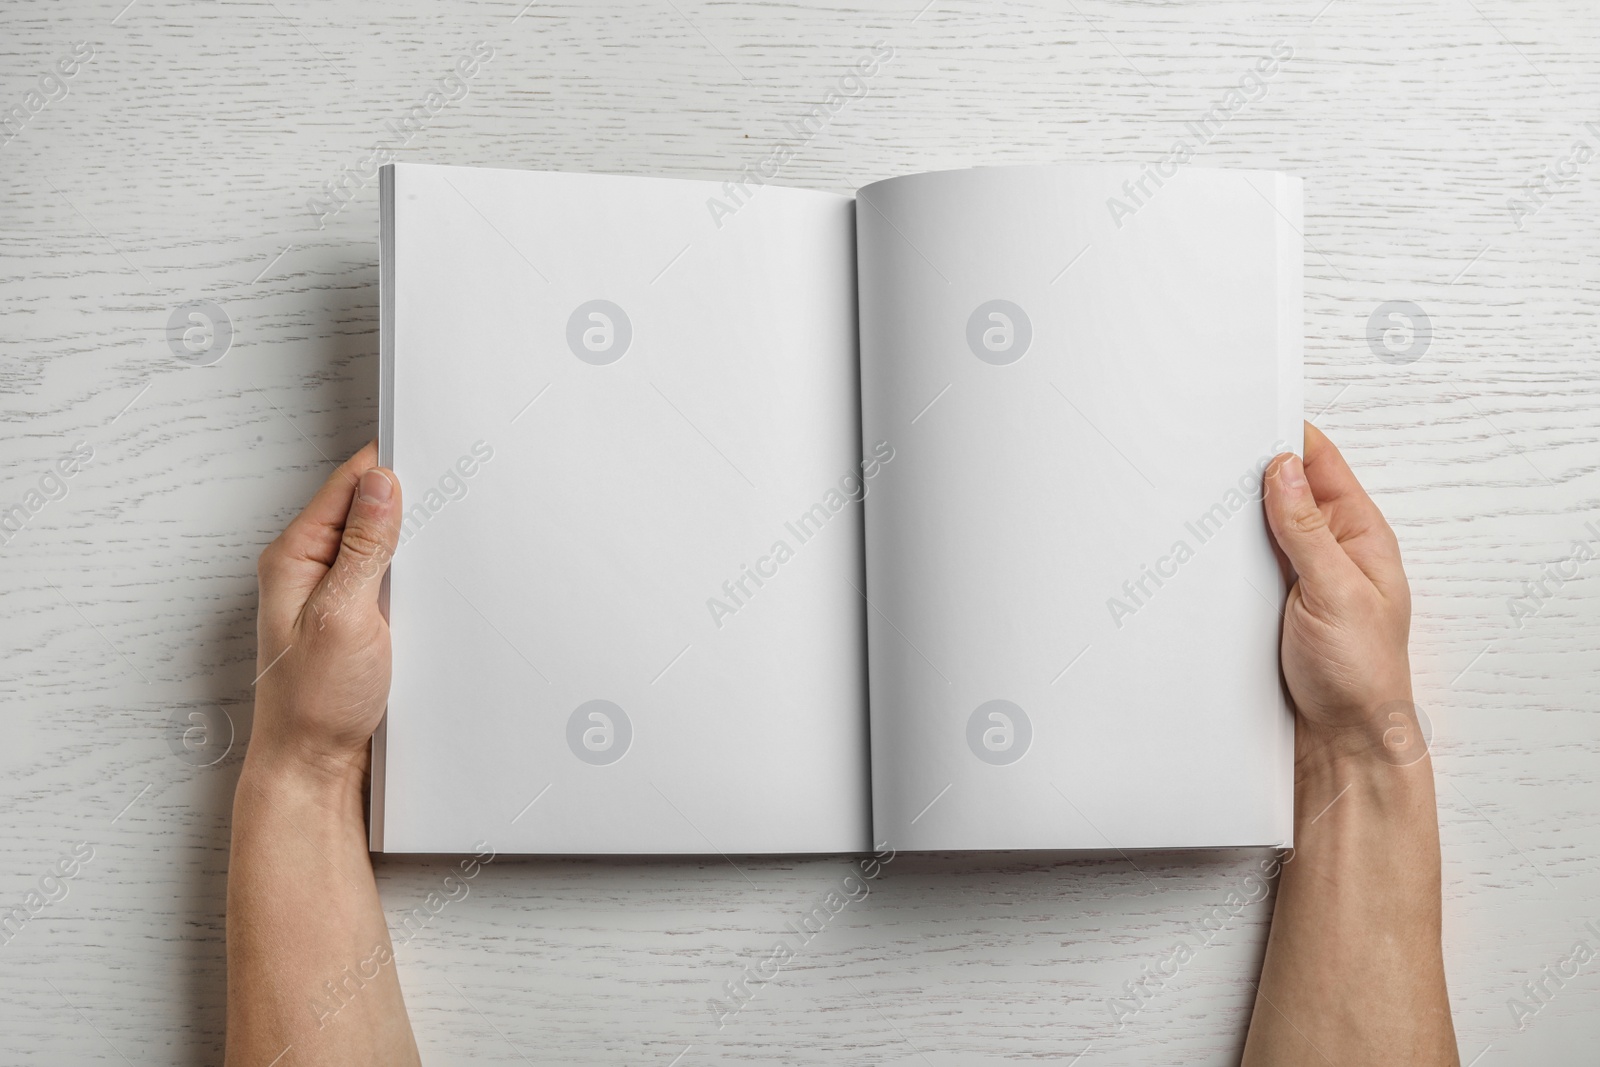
(178, 167)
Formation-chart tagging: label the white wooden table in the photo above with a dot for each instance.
(178, 166)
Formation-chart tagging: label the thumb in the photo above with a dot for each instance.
(1301, 529)
(371, 533)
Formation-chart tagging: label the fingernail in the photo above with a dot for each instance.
(1291, 475)
(376, 488)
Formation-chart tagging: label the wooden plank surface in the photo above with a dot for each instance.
(176, 165)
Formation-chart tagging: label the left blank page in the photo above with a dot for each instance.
(605, 408)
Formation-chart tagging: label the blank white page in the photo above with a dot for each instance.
(1074, 391)
(643, 399)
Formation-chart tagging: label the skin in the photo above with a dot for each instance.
(1354, 973)
(302, 902)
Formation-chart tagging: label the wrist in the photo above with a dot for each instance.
(1377, 763)
(284, 766)
(1391, 731)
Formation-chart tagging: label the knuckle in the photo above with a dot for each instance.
(1307, 518)
(361, 547)
(1392, 539)
(269, 562)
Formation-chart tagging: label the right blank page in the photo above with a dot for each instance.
(1074, 600)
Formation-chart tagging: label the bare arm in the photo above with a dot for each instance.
(310, 965)
(1354, 972)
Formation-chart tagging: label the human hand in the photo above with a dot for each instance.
(302, 900)
(322, 642)
(1354, 972)
(1348, 617)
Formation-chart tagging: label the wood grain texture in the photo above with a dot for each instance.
(178, 167)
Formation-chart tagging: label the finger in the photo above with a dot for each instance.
(367, 544)
(1355, 520)
(1351, 510)
(315, 533)
(292, 565)
(1301, 529)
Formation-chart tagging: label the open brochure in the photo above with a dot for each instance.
(747, 519)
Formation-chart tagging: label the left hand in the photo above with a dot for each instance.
(322, 642)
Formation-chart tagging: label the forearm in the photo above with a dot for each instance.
(1354, 972)
(309, 958)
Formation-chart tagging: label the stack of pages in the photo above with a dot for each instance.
(764, 520)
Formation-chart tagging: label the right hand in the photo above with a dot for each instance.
(1348, 616)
